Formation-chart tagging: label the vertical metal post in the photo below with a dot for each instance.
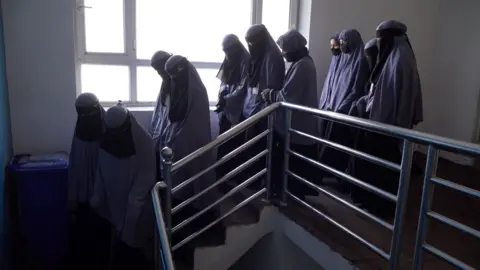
(156, 247)
(167, 156)
(402, 195)
(268, 183)
(427, 196)
(286, 149)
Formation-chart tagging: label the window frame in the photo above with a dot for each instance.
(128, 58)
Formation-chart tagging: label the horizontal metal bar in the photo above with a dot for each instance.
(343, 228)
(348, 150)
(451, 260)
(233, 210)
(162, 232)
(463, 189)
(457, 225)
(409, 134)
(386, 225)
(222, 160)
(348, 178)
(224, 197)
(225, 136)
(222, 180)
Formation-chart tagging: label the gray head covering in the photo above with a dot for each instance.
(159, 59)
(192, 130)
(371, 53)
(333, 72)
(159, 116)
(123, 183)
(266, 69)
(300, 87)
(234, 77)
(230, 41)
(392, 24)
(292, 41)
(396, 96)
(84, 149)
(353, 78)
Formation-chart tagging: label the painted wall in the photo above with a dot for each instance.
(41, 63)
(5, 141)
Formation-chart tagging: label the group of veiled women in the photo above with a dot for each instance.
(114, 161)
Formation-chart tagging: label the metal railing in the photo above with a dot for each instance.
(409, 138)
(425, 212)
(162, 243)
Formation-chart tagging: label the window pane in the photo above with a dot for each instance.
(109, 83)
(104, 26)
(276, 16)
(148, 84)
(211, 82)
(195, 32)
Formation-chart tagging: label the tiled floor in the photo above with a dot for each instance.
(446, 202)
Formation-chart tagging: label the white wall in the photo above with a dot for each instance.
(40, 72)
(40, 60)
(456, 69)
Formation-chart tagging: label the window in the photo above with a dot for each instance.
(116, 39)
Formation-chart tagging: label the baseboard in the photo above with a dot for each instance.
(456, 158)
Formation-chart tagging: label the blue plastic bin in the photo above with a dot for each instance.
(42, 193)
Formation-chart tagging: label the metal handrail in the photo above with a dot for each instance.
(226, 136)
(404, 133)
(429, 182)
(161, 232)
(409, 134)
(409, 138)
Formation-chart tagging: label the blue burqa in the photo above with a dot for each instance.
(189, 128)
(300, 87)
(395, 98)
(84, 149)
(125, 176)
(233, 75)
(266, 69)
(348, 87)
(333, 72)
(159, 120)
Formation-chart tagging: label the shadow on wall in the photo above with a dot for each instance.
(5, 140)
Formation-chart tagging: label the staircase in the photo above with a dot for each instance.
(244, 211)
(215, 246)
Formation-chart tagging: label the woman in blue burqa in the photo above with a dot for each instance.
(233, 75)
(300, 87)
(371, 54)
(346, 89)
(89, 232)
(159, 120)
(125, 176)
(189, 130)
(395, 98)
(333, 72)
(266, 71)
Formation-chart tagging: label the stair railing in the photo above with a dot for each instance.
(163, 253)
(431, 180)
(168, 169)
(409, 137)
